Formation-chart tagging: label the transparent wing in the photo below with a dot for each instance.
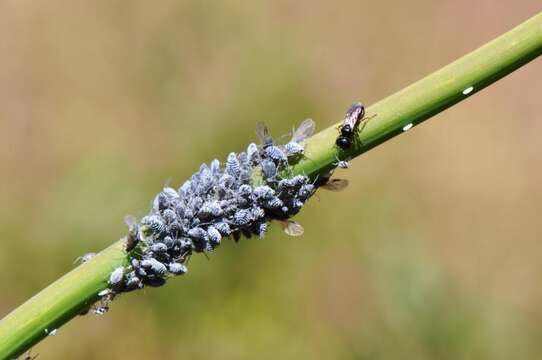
(292, 228)
(336, 185)
(305, 130)
(130, 221)
(263, 134)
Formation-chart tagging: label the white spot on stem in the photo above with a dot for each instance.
(468, 90)
(408, 127)
(53, 332)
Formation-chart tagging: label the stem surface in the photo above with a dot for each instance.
(77, 290)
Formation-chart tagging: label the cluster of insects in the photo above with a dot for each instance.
(223, 200)
(220, 200)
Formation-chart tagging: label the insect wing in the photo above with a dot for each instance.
(305, 130)
(263, 134)
(292, 228)
(335, 184)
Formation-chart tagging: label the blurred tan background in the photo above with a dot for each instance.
(434, 252)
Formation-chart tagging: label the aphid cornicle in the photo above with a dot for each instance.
(349, 127)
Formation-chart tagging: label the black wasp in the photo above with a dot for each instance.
(349, 127)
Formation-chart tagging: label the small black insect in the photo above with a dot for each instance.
(349, 128)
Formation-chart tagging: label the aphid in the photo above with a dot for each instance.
(242, 217)
(233, 167)
(210, 210)
(215, 167)
(273, 203)
(177, 268)
(292, 228)
(349, 127)
(84, 258)
(186, 189)
(252, 153)
(214, 235)
(243, 159)
(153, 224)
(169, 216)
(133, 233)
(276, 154)
(199, 238)
(305, 130)
(263, 192)
(269, 169)
(223, 228)
(257, 213)
(305, 192)
(133, 282)
(245, 190)
(262, 230)
(154, 265)
(115, 279)
(159, 248)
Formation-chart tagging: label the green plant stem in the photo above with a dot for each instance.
(77, 290)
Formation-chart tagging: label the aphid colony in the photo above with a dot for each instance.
(220, 200)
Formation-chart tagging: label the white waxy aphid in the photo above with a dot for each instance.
(214, 235)
(186, 189)
(252, 153)
(169, 216)
(273, 203)
(263, 192)
(154, 265)
(257, 213)
(153, 223)
(52, 332)
(177, 268)
(233, 167)
(198, 233)
(262, 230)
(215, 167)
(159, 248)
(171, 192)
(223, 228)
(276, 154)
(116, 276)
(269, 169)
(304, 131)
(242, 217)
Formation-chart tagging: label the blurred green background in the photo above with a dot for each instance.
(433, 252)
